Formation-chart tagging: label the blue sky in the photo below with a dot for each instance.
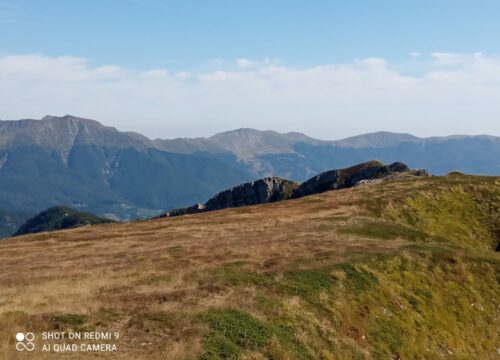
(175, 56)
(187, 33)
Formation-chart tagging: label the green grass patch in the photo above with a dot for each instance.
(386, 337)
(218, 347)
(70, 319)
(358, 280)
(463, 215)
(154, 322)
(307, 283)
(234, 275)
(424, 303)
(15, 315)
(385, 230)
(232, 332)
(106, 316)
(240, 328)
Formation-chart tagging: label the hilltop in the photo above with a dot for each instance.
(405, 268)
(59, 218)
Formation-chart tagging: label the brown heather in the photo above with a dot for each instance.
(403, 269)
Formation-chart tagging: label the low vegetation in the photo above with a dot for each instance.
(59, 218)
(396, 270)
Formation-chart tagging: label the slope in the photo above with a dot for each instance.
(400, 269)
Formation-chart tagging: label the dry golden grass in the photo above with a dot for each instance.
(121, 276)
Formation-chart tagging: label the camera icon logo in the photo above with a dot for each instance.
(25, 342)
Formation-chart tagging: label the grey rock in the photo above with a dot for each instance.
(420, 172)
(342, 178)
(271, 189)
(262, 191)
(196, 208)
(257, 192)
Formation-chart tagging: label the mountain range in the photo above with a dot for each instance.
(123, 175)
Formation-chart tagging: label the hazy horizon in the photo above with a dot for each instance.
(259, 130)
(189, 69)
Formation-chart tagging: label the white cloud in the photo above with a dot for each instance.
(253, 64)
(454, 93)
(443, 58)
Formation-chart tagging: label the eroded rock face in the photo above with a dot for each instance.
(262, 191)
(256, 192)
(342, 178)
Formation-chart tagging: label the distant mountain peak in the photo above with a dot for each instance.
(64, 117)
(256, 132)
(241, 132)
(62, 133)
(376, 140)
(248, 143)
(73, 119)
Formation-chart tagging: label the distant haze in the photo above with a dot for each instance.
(426, 95)
(328, 69)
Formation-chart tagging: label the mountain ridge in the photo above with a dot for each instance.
(91, 167)
(371, 139)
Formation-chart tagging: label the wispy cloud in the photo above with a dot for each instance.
(454, 93)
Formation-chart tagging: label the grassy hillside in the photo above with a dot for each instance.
(404, 269)
(59, 218)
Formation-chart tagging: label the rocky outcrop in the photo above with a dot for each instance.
(343, 178)
(196, 208)
(272, 189)
(262, 191)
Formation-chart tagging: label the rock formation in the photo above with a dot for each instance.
(342, 178)
(272, 189)
(262, 191)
